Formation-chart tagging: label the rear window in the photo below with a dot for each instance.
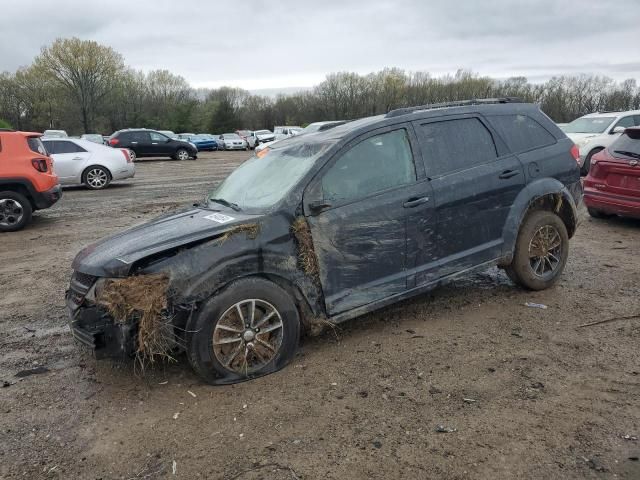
(627, 145)
(455, 145)
(521, 132)
(35, 145)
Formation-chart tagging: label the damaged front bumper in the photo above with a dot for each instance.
(92, 327)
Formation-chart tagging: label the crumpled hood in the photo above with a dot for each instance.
(113, 256)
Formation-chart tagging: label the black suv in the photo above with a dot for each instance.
(328, 226)
(149, 143)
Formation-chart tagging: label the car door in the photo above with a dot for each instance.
(141, 143)
(160, 144)
(69, 158)
(475, 181)
(358, 209)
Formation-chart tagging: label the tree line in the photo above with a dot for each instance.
(84, 87)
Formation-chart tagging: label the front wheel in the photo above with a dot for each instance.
(15, 211)
(250, 329)
(132, 155)
(541, 251)
(96, 178)
(182, 154)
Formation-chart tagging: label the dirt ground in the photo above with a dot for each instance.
(529, 392)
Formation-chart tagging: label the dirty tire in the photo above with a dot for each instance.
(595, 213)
(521, 271)
(15, 211)
(584, 171)
(202, 329)
(96, 177)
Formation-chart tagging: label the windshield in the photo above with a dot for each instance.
(230, 136)
(627, 145)
(260, 183)
(589, 125)
(262, 132)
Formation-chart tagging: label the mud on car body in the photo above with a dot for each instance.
(326, 227)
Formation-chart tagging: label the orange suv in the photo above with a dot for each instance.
(27, 181)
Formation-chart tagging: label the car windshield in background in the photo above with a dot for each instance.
(627, 145)
(262, 132)
(260, 183)
(231, 136)
(589, 125)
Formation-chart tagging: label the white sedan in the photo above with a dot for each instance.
(81, 162)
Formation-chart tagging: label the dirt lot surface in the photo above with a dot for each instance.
(529, 393)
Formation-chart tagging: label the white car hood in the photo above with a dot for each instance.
(578, 137)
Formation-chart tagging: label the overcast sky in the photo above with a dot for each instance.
(258, 44)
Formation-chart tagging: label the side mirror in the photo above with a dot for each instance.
(618, 130)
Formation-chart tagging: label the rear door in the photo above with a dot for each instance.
(358, 210)
(141, 143)
(475, 181)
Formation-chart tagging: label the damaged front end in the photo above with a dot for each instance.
(124, 317)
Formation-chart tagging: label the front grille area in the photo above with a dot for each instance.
(84, 279)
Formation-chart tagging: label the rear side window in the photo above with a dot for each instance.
(455, 145)
(375, 164)
(35, 145)
(626, 122)
(66, 147)
(521, 132)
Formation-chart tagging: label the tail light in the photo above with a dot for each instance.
(40, 164)
(113, 141)
(125, 152)
(575, 153)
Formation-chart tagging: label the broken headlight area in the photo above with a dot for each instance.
(123, 317)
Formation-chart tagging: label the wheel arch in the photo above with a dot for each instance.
(545, 194)
(20, 186)
(93, 165)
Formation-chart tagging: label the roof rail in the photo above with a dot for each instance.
(460, 103)
(7, 130)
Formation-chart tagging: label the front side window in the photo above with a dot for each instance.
(375, 164)
(455, 145)
(521, 132)
(158, 137)
(626, 122)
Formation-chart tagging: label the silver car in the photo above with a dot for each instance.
(233, 141)
(81, 162)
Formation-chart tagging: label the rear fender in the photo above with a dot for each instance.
(546, 194)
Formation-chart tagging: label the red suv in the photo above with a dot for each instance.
(27, 181)
(613, 184)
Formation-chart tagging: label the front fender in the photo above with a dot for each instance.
(563, 200)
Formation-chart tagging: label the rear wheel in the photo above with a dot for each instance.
(96, 178)
(250, 329)
(15, 211)
(541, 251)
(132, 155)
(584, 171)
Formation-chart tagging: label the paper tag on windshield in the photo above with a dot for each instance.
(219, 217)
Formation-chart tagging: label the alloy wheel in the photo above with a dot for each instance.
(97, 178)
(11, 212)
(183, 155)
(545, 251)
(248, 336)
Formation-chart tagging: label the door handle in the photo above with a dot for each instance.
(414, 202)
(508, 174)
(134, 143)
(154, 143)
(77, 158)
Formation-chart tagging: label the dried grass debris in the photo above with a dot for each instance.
(306, 253)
